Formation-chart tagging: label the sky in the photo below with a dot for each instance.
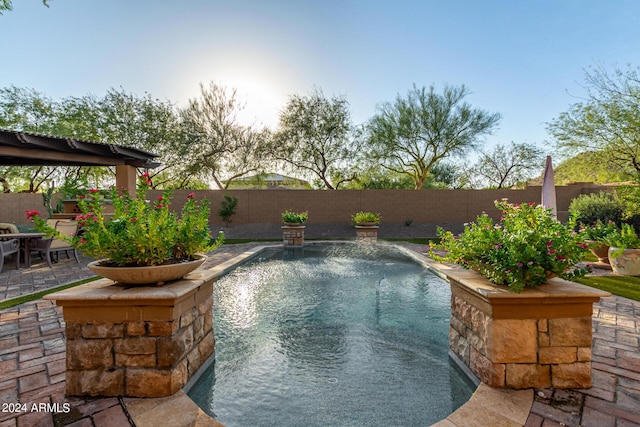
(523, 59)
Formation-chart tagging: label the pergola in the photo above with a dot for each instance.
(30, 149)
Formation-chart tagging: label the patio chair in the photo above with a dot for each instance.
(9, 246)
(50, 248)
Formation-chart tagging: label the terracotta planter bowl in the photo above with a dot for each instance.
(149, 275)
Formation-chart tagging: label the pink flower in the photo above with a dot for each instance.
(191, 195)
(549, 243)
(498, 246)
(93, 190)
(159, 198)
(520, 265)
(134, 219)
(561, 257)
(80, 196)
(31, 214)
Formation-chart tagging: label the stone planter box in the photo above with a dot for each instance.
(136, 341)
(293, 234)
(539, 338)
(367, 233)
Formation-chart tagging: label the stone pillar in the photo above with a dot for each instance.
(293, 235)
(136, 341)
(367, 233)
(539, 338)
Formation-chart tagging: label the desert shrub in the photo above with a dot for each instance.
(603, 206)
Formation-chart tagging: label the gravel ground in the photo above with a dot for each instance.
(338, 231)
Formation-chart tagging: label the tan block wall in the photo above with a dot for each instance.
(326, 206)
(139, 358)
(395, 206)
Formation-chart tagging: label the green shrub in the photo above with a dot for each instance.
(228, 208)
(292, 217)
(589, 208)
(629, 196)
(625, 238)
(366, 217)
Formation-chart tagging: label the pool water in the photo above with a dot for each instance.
(338, 335)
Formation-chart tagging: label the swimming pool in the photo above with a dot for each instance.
(331, 335)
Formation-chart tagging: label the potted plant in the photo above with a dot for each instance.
(366, 218)
(292, 218)
(596, 236)
(293, 228)
(140, 235)
(624, 251)
(525, 248)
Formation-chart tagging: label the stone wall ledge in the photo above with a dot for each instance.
(558, 298)
(106, 291)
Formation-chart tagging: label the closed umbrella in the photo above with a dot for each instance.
(549, 188)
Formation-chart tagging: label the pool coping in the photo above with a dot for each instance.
(487, 406)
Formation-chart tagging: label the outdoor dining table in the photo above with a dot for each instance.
(25, 242)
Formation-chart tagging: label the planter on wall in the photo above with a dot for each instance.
(539, 338)
(293, 234)
(136, 342)
(625, 264)
(147, 275)
(367, 232)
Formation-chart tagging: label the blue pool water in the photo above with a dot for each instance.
(338, 335)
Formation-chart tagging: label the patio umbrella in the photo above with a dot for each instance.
(549, 188)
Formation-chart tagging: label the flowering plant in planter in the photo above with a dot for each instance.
(291, 217)
(599, 231)
(623, 238)
(525, 248)
(140, 232)
(366, 218)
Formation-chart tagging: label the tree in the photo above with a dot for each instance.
(123, 118)
(215, 143)
(411, 135)
(313, 138)
(27, 110)
(589, 166)
(608, 119)
(117, 118)
(8, 5)
(505, 166)
(373, 176)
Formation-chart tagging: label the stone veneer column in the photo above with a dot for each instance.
(367, 233)
(293, 235)
(539, 338)
(136, 341)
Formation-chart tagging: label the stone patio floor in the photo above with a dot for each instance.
(32, 361)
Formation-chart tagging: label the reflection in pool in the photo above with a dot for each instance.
(333, 335)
